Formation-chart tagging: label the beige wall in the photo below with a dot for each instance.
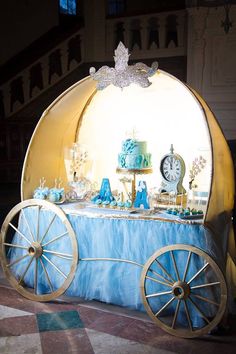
(211, 60)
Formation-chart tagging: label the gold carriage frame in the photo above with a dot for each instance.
(65, 114)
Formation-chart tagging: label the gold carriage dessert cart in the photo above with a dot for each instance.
(104, 254)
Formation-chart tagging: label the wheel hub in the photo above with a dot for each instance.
(181, 290)
(35, 250)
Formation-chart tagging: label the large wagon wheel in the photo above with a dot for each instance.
(183, 290)
(36, 238)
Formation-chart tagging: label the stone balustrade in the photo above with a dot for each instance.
(147, 36)
(42, 74)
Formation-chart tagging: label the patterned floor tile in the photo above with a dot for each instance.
(11, 298)
(15, 326)
(143, 332)
(104, 322)
(103, 343)
(71, 341)
(6, 312)
(27, 343)
(70, 325)
(58, 321)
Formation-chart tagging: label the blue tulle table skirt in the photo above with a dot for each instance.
(118, 282)
(135, 240)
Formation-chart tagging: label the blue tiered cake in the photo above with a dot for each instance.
(134, 155)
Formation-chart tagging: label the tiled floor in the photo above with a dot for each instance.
(71, 325)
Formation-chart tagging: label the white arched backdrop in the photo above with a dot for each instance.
(165, 113)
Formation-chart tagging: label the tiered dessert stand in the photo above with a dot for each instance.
(133, 173)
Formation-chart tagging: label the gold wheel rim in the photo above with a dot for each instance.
(181, 291)
(35, 252)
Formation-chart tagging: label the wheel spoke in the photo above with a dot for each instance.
(36, 276)
(164, 270)
(198, 273)
(55, 239)
(20, 233)
(30, 234)
(165, 306)
(27, 224)
(187, 315)
(205, 285)
(17, 260)
(37, 230)
(47, 276)
(187, 265)
(175, 266)
(16, 246)
(198, 309)
(45, 233)
(60, 254)
(160, 276)
(176, 314)
(205, 299)
(54, 266)
(158, 281)
(182, 308)
(159, 294)
(26, 270)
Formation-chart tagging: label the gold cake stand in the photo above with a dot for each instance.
(133, 172)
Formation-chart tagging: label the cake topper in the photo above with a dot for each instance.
(133, 133)
(123, 75)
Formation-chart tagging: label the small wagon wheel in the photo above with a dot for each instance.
(183, 290)
(31, 250)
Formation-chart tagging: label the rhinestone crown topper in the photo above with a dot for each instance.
(123, 75)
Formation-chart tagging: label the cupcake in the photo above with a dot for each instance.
(120, 204)
(105, 203)
(113, 204)
(98, 202)
(128, 204)
(186, 212)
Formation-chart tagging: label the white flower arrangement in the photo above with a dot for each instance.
(78, 159)
(197, 166)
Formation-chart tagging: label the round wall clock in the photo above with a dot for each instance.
(172, 169)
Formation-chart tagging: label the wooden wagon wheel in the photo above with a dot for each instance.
(30, 252)
(183, 290)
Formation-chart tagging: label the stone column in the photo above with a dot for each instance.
(144, 32)
(110, 38)
(181, 29)
(127, 32)
(95, 20)
(162, 30)
(197, 23)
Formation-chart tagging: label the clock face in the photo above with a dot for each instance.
(171, 168)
